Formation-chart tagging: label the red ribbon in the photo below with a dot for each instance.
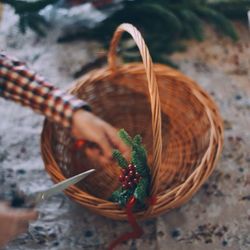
(137, 230)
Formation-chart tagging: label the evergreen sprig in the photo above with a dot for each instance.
(126, 137)
(121, 196)
(120, 159)
(140, 190)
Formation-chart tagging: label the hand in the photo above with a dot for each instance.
(91, 128)
(14, 222)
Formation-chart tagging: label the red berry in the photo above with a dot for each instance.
(137, 175)
(131, 173)
(121, 177)
(135, 180)
(130, 184)
(124, 171)
(126, 178)
(131, 167)
(125, 182)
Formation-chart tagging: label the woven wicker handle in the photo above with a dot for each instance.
(153, 92)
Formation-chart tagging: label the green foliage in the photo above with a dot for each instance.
(26, 6)
(193, 25)
(141, 191)
(124, 198)
(121, 196)
(236, 9)
(164, 23)
(221, 22)
(35, 21)
(139, 164)
(116, 195)
(120, 159)
(29, 14)
(166, 16)
(125, 137)
(137, 140)
(139, 160)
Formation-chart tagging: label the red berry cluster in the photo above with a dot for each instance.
(129, 177)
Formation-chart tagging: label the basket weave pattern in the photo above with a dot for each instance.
(179, 123)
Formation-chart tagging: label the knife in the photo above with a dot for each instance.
(20, 200)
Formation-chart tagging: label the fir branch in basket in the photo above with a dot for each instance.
(135, 176)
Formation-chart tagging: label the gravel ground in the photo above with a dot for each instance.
(218, 217)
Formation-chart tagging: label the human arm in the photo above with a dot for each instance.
(20, 84)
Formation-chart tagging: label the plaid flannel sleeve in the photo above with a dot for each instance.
(24, 86)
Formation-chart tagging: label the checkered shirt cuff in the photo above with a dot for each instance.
(24, 86)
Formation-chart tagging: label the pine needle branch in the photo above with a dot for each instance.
(164, 23)
(120, 159)
(22, 6)
(125, 137)
(219, 20)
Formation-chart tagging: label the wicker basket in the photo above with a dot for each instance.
(182, 131)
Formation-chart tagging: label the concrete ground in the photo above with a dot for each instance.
(218, 216)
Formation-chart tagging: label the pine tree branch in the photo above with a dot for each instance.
(137, 140)
(141, 191)
(22, 6)
(222, 23)
(125, 137)
(166, 15)
(193, 24)
(236, 9)
(120, 159)
(164, 23)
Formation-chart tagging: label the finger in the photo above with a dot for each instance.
(117, 142)
(103, 160)
(107, 149)
(94, 155)
(16, 228)
(23, 214)
(4, 205)
(114, 138)
(112, 135)
(127, 155)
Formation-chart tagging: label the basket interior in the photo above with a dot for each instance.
(123, 101)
